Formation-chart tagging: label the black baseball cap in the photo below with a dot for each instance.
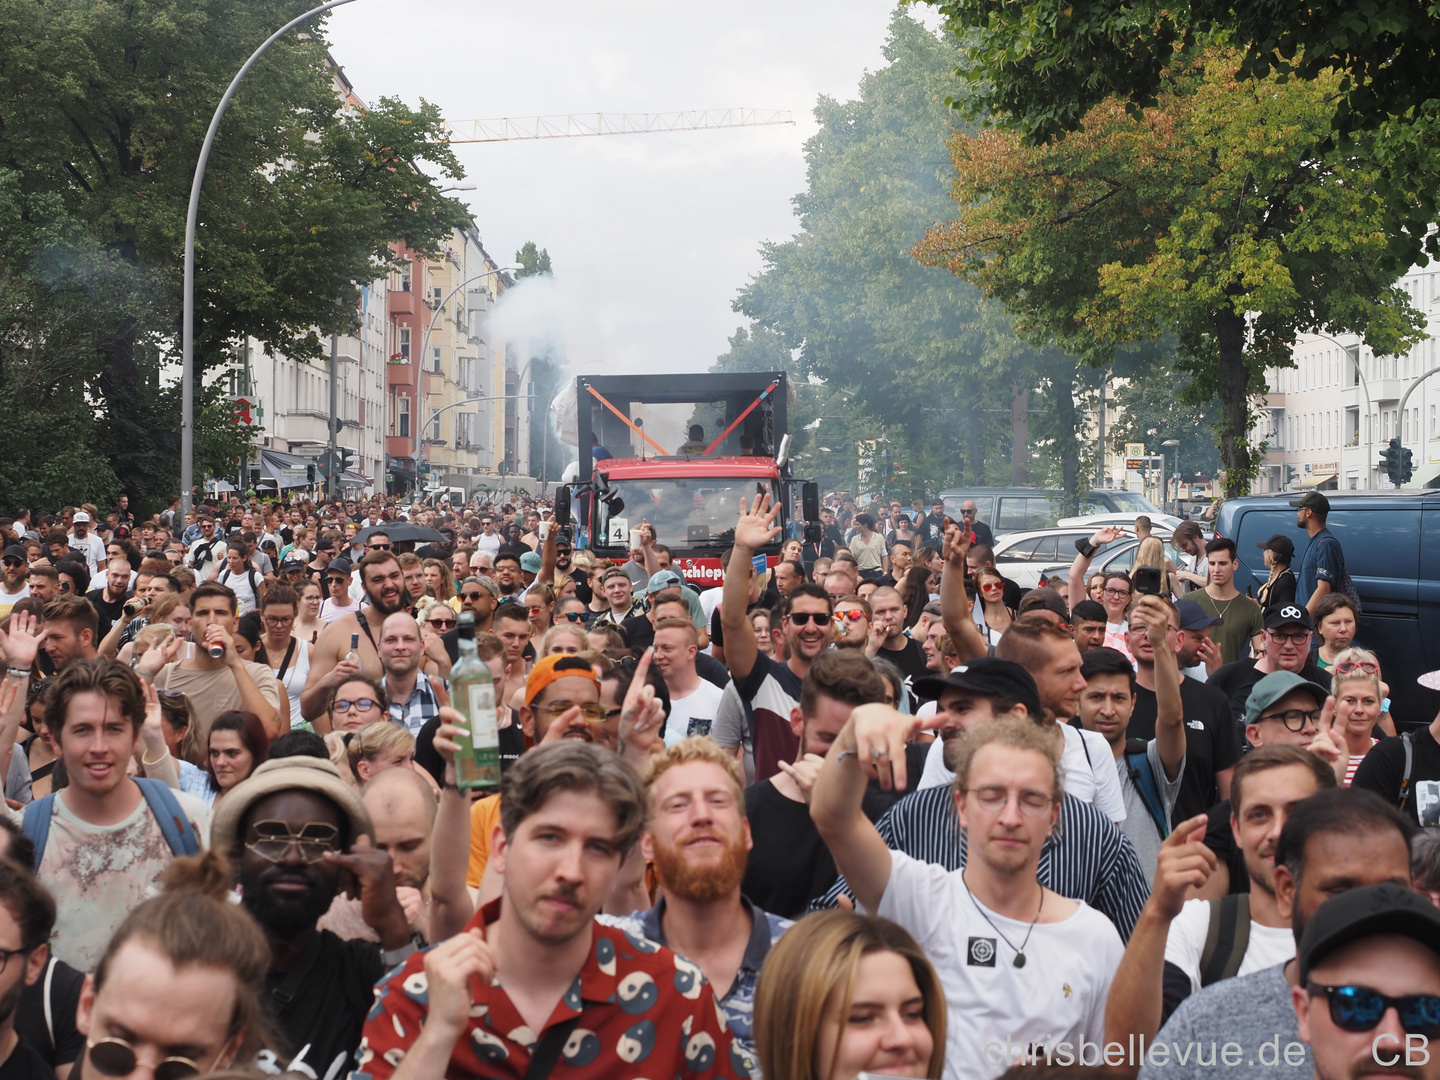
(1287, 615)
(324, 544)
(987, 676)
(1313, 500)
(338, 566)
(1369, 911)
(1048, 599)
(1280, 544)
(1195, 617)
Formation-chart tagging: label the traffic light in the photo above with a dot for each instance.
(1392, 462)
(347, 460)
(1407, 465)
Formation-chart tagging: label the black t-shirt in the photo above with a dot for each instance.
(639, 632)
(512, 745)
(1220, 838)
(109, 611)
(65, 983)
(711, 670)
(1212, 742)
(1383, 771)
(910, 659)
(790, 865)
(320, 1007)
(25, 1063)
(1236, 680)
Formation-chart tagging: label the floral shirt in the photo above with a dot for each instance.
(643, 1011)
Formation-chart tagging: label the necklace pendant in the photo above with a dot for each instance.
(1019, 959)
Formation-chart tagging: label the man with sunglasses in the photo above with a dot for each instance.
(1287, 648)
(299, 835)
(207, 554)
(14, 585)
(1331, 842)
(1369, 990)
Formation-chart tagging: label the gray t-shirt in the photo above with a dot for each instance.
(1244, 1028)
(1139, 824)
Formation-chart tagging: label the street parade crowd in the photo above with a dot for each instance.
(866, 808)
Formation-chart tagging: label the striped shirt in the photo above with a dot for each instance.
(1086, 858)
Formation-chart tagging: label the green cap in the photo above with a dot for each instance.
(1275, 686)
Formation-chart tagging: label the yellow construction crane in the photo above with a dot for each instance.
(584, 125)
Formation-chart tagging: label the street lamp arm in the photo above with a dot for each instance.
(187, 333)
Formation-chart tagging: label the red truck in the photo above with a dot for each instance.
(679, 452)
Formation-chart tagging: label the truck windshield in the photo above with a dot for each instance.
(688, 514)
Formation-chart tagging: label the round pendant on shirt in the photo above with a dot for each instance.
(1019, 959)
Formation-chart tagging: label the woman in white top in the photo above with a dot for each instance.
(307, 618)
(993, 617)
(241, 578)
(286, 655)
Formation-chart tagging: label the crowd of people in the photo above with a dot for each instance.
(867, 807)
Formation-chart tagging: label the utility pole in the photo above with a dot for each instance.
(332, 482)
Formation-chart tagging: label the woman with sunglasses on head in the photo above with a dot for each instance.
(1335, 624)
(307, 617)
(1359, 698)
(994, 617)
(287, 656)
(237, 744)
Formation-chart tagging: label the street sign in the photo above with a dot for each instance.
(245, 410)
(1138, 464)
(1134, 450)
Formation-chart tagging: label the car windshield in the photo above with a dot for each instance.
(1128, 502)
(687, 514)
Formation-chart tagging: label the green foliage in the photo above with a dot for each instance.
(103, 108)
(926, 363)
(532, 261)
(1147, 414)
(1218, 217)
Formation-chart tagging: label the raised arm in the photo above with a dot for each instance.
(955, 610)
(1154, 613)
(752, 531)
(1082, 562)
(450, 904)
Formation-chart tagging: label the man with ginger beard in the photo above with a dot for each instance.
(698, 839)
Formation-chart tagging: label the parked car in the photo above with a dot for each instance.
(1118, 555)
(1162, 525)
(1016, 509)
(1391, 541)
(1022, 556)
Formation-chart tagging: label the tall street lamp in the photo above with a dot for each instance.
(187, 331)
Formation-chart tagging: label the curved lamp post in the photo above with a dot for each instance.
(187, 333)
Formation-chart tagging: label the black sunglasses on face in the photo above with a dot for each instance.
(804, 618)
(1358, 1008)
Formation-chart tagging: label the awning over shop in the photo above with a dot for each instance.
(350, 478)
(287, 470)
(1315, 480)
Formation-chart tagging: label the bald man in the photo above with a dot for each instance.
(414, 696)
(402, 806)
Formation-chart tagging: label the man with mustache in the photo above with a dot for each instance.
(299, 835)
(385, 594)
(698, 839)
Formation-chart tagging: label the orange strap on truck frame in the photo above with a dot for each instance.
(626, 421)
(763, 395)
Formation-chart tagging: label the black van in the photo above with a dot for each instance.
(1392, 553)
(1021, 509)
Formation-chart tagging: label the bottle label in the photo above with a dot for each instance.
(484, 727)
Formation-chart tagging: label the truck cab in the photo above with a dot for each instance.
(679, 452)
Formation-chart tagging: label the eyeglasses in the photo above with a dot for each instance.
(995, 799)
(1295, 719)
(273, 839)
(1347, 667)
(593, 714)
(444, 624)
(1358, 1008)
(14, 562)
(805, 618)
(6, 954)
(1295, 639)
(848, 616)
(114, 1056)
(278, 620)
(575, 616)
(363, 704)
(472, 595)
(1116, 592)
(992, 586)
(64, 586)
(378, 547)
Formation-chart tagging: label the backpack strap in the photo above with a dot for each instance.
(36, 825)
(178, 832)
(1227, 938)
(1409, 765)
(1143, 778)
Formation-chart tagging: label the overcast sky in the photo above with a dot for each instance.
(650, 235)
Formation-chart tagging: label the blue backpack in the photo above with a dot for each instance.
(1141, 775)
(163, 805)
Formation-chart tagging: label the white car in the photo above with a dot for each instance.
(1021, 556)
(1161, 525)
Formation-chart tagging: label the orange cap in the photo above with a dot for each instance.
(544, 673)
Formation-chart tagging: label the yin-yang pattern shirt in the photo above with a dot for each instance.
(643, 1012)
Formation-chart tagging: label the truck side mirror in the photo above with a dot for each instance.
(562, 507)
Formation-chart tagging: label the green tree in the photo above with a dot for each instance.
(1217, 216)
(104, 104)
(928, 364)
(1147, 414)
(532, 261)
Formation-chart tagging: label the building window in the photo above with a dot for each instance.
(435, 365)
(435, 427)
(436, 294)
(405, 342)
(404, 417)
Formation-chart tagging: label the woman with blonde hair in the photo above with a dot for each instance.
(565, 638)
(1358, 698)
(377, 747)
(1151, 552)
(440, 580)
(841, 994)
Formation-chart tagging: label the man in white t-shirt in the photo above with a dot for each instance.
(488, 542)
(14, 586)
(1049, 653)
(90, 546)
(1027, 969)
(693, 701)
(1165, 958)
(207, 554)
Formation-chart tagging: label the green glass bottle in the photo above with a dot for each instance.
(472, 690)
